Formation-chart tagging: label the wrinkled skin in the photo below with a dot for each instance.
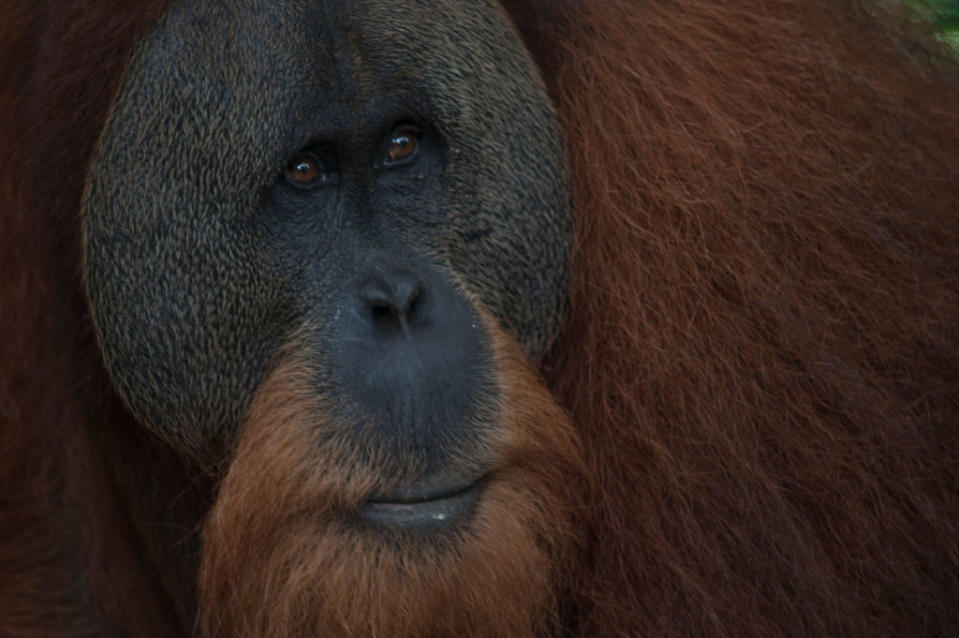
(329, 237)
(201, 259)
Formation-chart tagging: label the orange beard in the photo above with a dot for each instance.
(280, 557)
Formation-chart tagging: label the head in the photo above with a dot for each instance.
(323, 241)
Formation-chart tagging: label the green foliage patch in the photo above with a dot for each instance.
(944, 15)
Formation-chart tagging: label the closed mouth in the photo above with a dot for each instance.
(422, 506)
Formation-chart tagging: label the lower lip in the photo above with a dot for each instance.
(436, 514)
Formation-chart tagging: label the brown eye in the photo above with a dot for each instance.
(404, 141)
(306, 169)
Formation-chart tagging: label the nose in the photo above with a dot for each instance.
(392, 298)
(413, 353)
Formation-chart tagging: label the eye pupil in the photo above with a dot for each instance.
(402, 145)
(304, 170)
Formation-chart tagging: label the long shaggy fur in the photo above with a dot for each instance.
(281, 559)
(80, 549)
(762, 356)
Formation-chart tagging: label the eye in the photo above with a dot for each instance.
(403, 144)
(306, 169)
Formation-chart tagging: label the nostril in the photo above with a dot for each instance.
(407, 295)
(413, 303)
(392, 299)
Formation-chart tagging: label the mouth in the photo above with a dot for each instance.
(430, 504)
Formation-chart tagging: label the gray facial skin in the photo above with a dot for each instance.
(202, 260)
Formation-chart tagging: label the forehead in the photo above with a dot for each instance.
(341, 48)
(271, 75)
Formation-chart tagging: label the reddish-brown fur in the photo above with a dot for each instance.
(280, 560)
(762, 359)
(84, 533)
